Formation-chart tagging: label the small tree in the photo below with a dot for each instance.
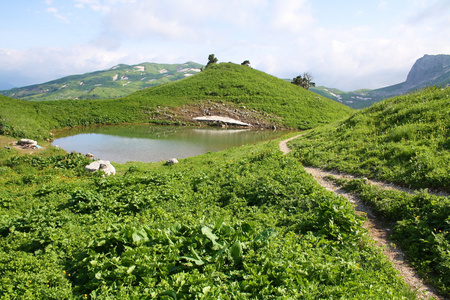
(211, 60)
(246, 63)
(304, 81)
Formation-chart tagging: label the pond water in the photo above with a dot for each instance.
(147, 143)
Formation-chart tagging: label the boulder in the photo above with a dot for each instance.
(172, 161)
(102, 165)
(28, 143)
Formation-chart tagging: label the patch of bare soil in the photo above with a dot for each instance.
(10, 143)
(378, 230)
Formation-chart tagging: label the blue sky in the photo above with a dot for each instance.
(347, 44)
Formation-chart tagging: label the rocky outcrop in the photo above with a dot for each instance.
(428, 68)
(101, 165)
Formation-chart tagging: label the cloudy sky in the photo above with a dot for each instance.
(346, 44)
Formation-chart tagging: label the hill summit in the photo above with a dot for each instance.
(250, 90)
(225, 89)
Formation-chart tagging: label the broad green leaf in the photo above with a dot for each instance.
(207, 231)
(131, 269)
(198, 262)
(236, 252)
(266, 235)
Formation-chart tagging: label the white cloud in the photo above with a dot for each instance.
(56, 14)
(349, 46)
(44, 64)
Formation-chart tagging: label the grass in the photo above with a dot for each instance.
(243, 223)
(404, 140)
(235, 86)
(421, 227)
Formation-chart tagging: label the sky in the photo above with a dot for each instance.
(346, 44)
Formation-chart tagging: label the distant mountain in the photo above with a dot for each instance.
(429, 70)
(118, 81)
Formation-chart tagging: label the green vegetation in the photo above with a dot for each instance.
(118, 81)
(244, 86)
(239, 224)
(405, 140)
(422, 227)
(245, 223)
(304, 81)
(228, 84)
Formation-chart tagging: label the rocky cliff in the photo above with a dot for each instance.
(428, 68)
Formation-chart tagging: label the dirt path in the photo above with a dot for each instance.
(377, 231)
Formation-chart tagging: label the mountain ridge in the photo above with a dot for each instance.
(117, 81)
(429, 70)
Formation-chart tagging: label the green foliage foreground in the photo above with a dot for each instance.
(244, 223)
(422, 227)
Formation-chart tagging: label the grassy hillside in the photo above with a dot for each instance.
(247, 92)
(118, 81)
(244, 86)
(246, 223)
(405, 140)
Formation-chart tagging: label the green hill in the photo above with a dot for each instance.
(404, 140)
(227, 89)
(118, 81)
(243, 86)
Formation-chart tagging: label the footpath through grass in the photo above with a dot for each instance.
(421, 227)
(405, 140)
(244, 223)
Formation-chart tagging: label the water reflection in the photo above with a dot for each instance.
(155, 143)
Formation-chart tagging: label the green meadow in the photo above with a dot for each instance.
(403, 140)
(244, 223)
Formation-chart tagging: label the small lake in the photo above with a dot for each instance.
(147, 143)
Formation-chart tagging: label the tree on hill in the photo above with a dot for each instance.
(212, 59)
(304, 81)
(246, 63)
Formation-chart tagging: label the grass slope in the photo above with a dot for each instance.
(244, 86)
(233, 86)
(404, 140)
(246, 223)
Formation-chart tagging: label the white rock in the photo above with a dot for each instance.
(28, 142)
(172, 161)
(103, 165)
